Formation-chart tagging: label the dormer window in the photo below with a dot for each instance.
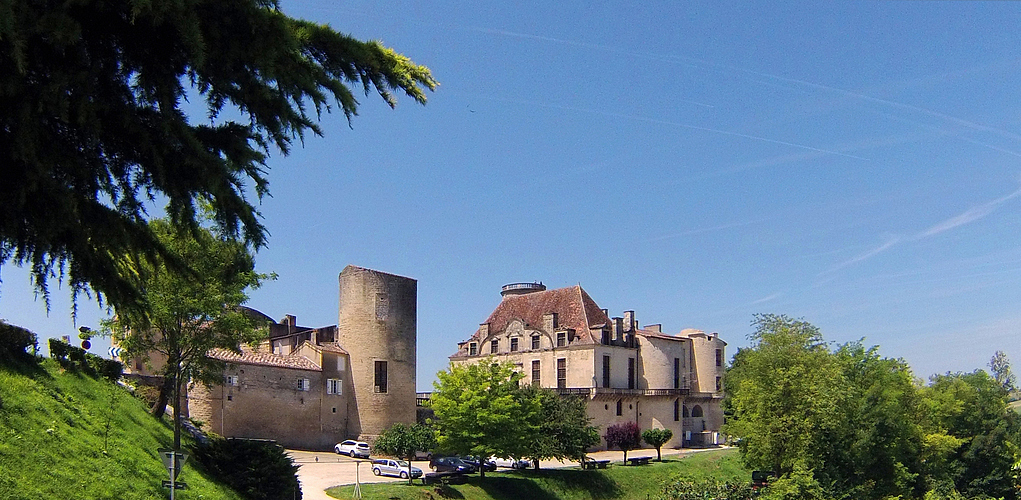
(494, 346)
(514, 344)
(606, 337)
(473, 349)
(561, 339)
(535, 342)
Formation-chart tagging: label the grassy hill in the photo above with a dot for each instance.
(617, 482)
(66, 435)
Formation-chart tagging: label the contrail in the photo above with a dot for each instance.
(676, 124)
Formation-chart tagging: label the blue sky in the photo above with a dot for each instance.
(857, 164)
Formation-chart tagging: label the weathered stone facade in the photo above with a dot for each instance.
(301, 388)
(561, 339)
(378, 321)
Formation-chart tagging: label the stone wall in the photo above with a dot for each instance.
(266, 403)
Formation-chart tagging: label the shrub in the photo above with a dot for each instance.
(15, 342)
(75, 359)
(259, 470)
(685, 488)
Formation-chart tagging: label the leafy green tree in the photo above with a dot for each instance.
(190, 314)
(999, 365)
(657, 438)
(872, 444)
(625, 435)
(402, 441)
(259, 470)
(479, 411)
(972, 408)
(563, 429)
(780, 393)
(92, 126)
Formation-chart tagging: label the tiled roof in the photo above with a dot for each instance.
(264, 359)
(329, 347)
(659, 335)
(574, 308)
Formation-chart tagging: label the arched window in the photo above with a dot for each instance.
(620, 407)
(696, 411)
(684, 411)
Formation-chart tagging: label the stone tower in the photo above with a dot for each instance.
(377, 326)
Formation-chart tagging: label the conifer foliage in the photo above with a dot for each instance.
(92, 128)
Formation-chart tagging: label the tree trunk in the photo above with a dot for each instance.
(659, 456)
(166, 389)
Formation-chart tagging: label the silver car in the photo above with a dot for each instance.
(399, 468)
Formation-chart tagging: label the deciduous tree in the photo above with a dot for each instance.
(999, 365)
(564, 430)
(626, 436)
(92, 125)
(780, 394)
(189, 314)
(479, 411)
(402, 441)
(657, 438)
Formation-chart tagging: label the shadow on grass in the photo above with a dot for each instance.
(544, 484)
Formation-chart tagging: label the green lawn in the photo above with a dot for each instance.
(569, 484)
(54, 442)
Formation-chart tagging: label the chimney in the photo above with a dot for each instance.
(655, 327)
(618, 328)
(629, 321)
(291, 321)
(606, 312)
(483, 331)
(549, 322)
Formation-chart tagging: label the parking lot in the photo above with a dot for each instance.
(325, 469)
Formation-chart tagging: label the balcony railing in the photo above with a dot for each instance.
(594, 392)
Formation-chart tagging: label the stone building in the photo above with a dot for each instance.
(310, 388)
(561, 339)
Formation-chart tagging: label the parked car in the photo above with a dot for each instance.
(399, 468)
(424, 455)
(488, 465)
(353, 449)
(451, 464)
(513, 463)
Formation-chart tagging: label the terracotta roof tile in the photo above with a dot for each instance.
(248, 357)
(575, 310)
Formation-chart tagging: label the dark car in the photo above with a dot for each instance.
(488, 465)
(451, 464)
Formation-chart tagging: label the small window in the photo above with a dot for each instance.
(606, 371)
(677, 410)
(620, 407)
(232, 380)
(333, 386)
(630, 373)
(303, 384)
(514, 344)
(606, 337)
(562, 373)
(494, 346)
(379, 384)
(719, 357)
(684, 411)
(696, 411)
(561, 339)
(473, 349)
(536, 373)
(535, 342)
(719, 384)
(677, 373)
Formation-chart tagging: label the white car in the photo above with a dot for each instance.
(513, 463)
(399, 468)
(353, 449)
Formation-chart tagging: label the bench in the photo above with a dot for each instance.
(594, 464)
(444, 477)
(639, 460)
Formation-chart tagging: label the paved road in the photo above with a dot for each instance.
(322, 470)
